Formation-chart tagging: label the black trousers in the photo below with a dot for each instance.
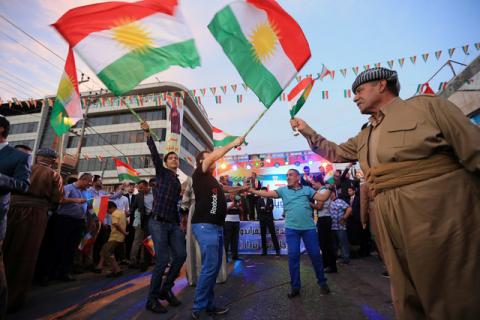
(325, 237)
(68, 233)
(270, 225)
(252, 203)
(231, 232)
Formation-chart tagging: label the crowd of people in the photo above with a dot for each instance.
(402, 205)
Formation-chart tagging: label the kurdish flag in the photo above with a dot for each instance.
(266, 45)
(126, 172)
(124, 43)
(221, 138)
(67, 109)
(298, 96)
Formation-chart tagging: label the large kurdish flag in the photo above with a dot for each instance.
(67, 109)
(126, 172)
(265, 44)
(299, 94)
(124, 43)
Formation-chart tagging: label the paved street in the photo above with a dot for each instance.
(256, 289)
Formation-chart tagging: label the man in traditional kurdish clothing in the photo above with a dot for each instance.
(27, 222)
(422, 159)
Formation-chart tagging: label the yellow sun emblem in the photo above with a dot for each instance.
(133, 35)
(264, 40)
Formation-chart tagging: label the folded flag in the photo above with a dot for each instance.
(221, 138)
(266, 45)
(299, 94)
(124, 43)
(67, 109)
(100, 207)
(148, 243)
(126, 172)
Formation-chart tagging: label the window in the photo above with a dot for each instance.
(116, 119)
(114, 138)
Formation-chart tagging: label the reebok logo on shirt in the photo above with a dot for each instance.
(214, 201)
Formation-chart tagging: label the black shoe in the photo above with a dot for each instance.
(155, 307)
(196, 315)
(114, 274)
(324, 289)
(171, 299)
(215, 311)
(67, 278)
(294, 293)
(330, 270)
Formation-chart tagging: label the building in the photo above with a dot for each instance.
(111, 130)
(464, 90)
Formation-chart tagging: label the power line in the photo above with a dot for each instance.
(30, 50)
(40, 43)
(8, 90)
(19, 84)
(20, 79)
(16, 89)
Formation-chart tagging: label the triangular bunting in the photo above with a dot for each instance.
(477, 45)
(355, 70)
(218, 99)
(347, 93)
(401, 61)
(203, 91)
(413, 59)
(343, 72)
(390, 63)
(378, 65)
(450, 52)
(366, 67)
(465, 49)
(213, 89)
(234, 88)
(438, 54)
(239, 98)
(224, 89)
(244, 85)
(425, 57)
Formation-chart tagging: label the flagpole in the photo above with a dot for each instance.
(139, 119)
(256, 121)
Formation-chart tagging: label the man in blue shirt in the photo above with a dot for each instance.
(299, 225)
(70, 225)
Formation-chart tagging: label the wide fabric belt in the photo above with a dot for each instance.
(397, 174)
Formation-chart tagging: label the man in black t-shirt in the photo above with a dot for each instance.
(207, 226)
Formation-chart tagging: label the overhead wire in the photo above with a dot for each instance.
(4, 71)
(42, 44)
(19, 84)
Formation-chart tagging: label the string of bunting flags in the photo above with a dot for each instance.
(217, 92)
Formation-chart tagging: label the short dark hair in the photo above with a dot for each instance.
(23, 146)
(111, 205)
(84, 175)
(96, 177)
(5, 124)
(143, 182)
(132, 184)
(152, 180)
(199, 157)
(294, 170)
(71, 180)
(167, 155)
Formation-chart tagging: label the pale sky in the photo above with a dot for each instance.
(341, 34)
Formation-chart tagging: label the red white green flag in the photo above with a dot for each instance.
(266, 45)
(124, 43)
(299, 94)
(438, 54)
(221, 138)
(126, 172)
(67, 110)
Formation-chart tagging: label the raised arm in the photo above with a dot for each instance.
(345, 152)
(220, 152)
(229, 189)
(157, 160)
(265, 194)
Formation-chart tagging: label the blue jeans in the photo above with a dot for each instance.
(210, 240)
(310, 239)
(341, 240)
(167, 238)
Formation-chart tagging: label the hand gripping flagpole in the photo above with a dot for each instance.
(295, 129)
